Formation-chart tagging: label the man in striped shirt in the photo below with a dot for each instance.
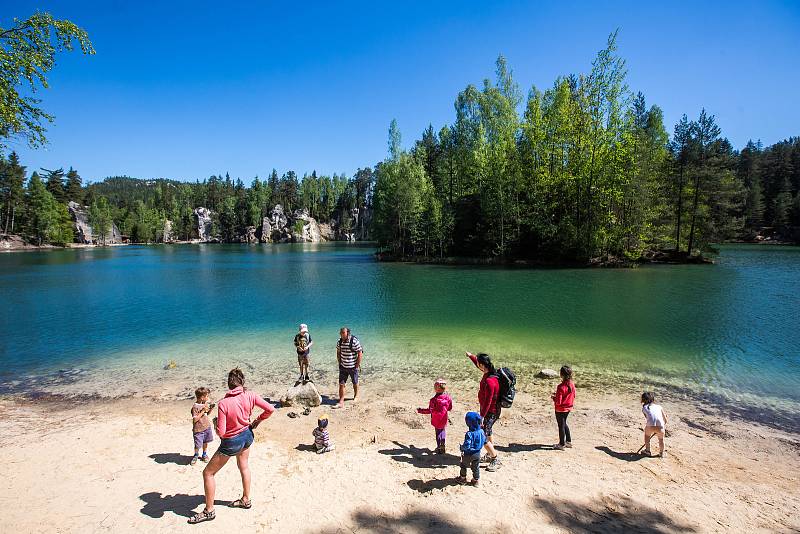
(348, 353)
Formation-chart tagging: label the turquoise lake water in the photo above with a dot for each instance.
(732, 329)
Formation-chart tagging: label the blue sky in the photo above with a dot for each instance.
(184, 90)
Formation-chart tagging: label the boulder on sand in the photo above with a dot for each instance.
(547, 373)
(305, 395)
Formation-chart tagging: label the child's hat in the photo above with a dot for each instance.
(441, 382)
(303, 328)
(322, 423)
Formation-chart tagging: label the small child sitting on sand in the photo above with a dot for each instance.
(438, 406)
(201, 426)
(474, 440)
(656, 422)
(322, 440)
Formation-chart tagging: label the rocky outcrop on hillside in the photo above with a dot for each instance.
(14, 242)
(204, 224)
(249, 236)
(305, 228)
(169, 236)
(83, 230)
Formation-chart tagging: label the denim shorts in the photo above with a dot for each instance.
(344, 372)
(236, 444)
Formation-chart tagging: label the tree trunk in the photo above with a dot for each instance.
(694, 214)
(680, 211)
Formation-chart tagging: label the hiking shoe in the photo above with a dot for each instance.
(485, 459)
(474, 482)
(494, 465)
(204, 458)
(568, 445)
(559, 447)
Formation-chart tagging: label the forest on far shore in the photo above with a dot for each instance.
(580, 170)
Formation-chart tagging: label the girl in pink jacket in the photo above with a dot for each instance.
(438, 406)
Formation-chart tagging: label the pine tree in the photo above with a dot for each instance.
(74, 189)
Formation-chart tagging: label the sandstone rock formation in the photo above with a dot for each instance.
(204, 224)
(83, 230)
(305, 228)
(168, 235)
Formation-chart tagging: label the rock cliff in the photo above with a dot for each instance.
(204, 224)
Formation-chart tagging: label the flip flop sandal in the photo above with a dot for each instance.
(240, 503)
(202, 516)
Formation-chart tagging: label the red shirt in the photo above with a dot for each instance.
(565, 396)
(233, 411)
(488, 392)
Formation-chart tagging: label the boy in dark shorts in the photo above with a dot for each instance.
(201, 426)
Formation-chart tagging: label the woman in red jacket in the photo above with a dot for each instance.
(490, 408)
(563, 399)
(236, 434)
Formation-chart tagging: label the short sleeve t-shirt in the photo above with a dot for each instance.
(203, 423)
(654, 415)
(301, 341)
(348, 351)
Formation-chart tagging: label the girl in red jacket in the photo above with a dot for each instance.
(563, 399)
(438, 406)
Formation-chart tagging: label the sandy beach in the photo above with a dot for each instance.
(121, 465)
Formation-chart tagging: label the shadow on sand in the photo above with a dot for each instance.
(414, 521)
(418, 457)
(435, 484)
(608, 514)
(521, 447)
(626, 456)
(156, 505)
(171, 458)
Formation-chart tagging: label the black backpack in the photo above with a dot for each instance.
(508, 383)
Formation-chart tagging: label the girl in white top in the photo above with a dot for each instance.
(656, 422)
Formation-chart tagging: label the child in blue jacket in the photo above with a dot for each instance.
(474, 441)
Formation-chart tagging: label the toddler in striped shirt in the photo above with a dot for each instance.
(322, 440)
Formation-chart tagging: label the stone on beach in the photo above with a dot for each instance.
(305, 395)
(547, 373)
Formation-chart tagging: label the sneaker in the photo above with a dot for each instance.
(494, 465)
(193, 460)
(559, 447)
(568, 445)
(204, 458)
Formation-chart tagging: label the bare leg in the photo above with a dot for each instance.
(355, 392)
(209, 484)
(648, 435)
(244, 468)
(341, 395)
(660, 435)
(490, 447)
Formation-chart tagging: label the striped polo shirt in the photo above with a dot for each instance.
(348, 351)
